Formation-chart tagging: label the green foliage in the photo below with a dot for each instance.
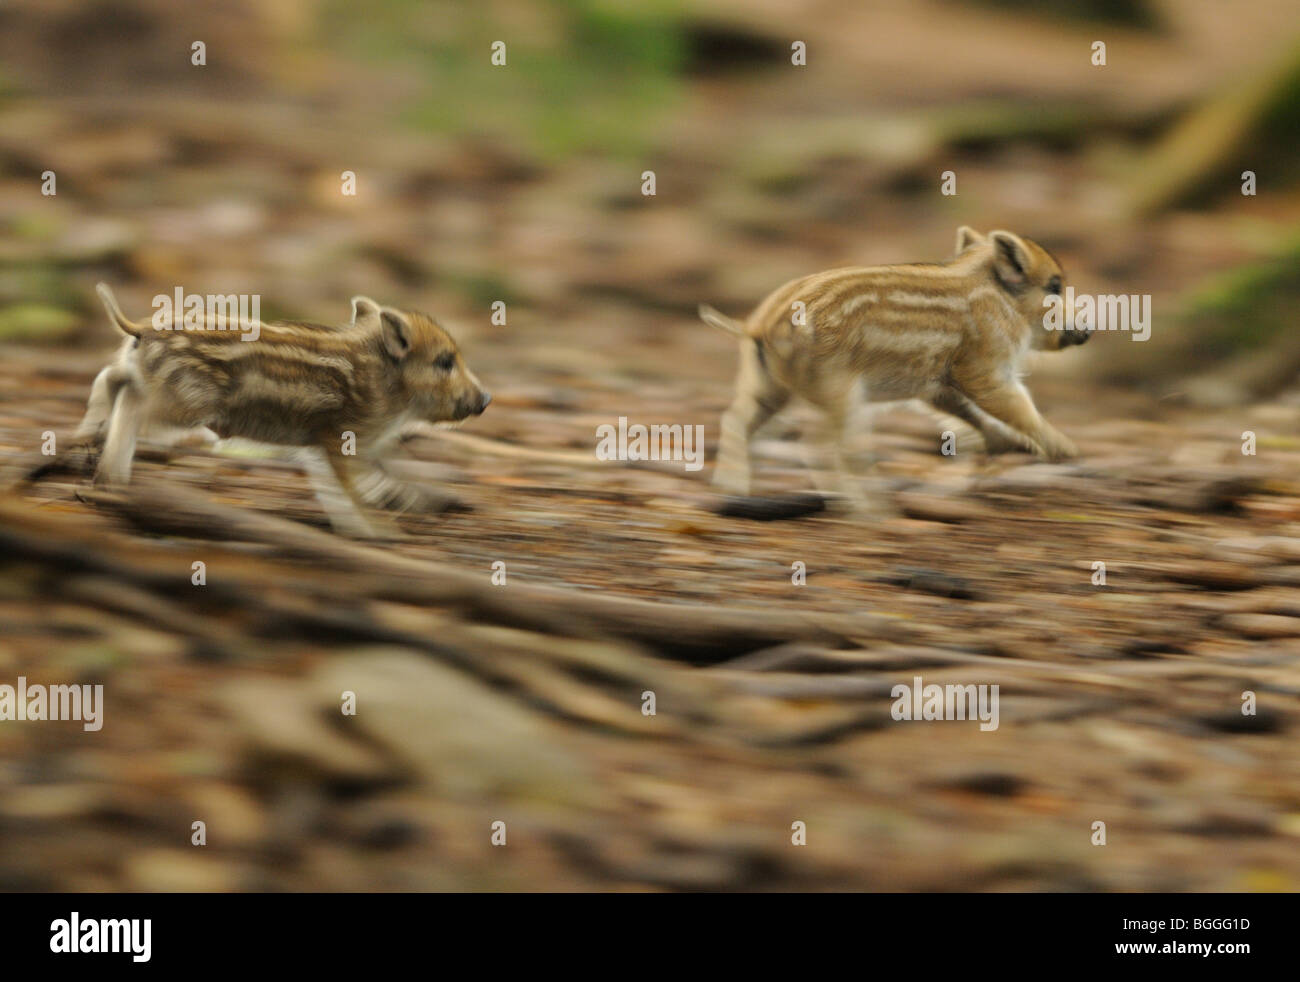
(36, 322)
(38, 301)
(1246, 307)
(579, 74)
(1250, 124)
(481, 288)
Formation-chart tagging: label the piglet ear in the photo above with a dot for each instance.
(967, 237)
(396, 332)
(364, 309)
(1010, 258)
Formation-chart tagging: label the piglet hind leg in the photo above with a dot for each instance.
(103, 394)
(759, 397)
(827, 465)
(839, 483)
(124, 424)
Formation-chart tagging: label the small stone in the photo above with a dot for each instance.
(1262, 625)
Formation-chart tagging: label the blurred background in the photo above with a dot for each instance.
(522, 183)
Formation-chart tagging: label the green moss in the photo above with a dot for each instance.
(481, 289)
(1249, 125)
(39, 282)
(36, 226)
(92, 657)
(1244, 308)
(601, 76)
(36, 322)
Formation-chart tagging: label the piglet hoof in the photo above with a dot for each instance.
(771, 508)
(378, 533)
(1061, 451)
(843, 505)
(404, 497)
(433, 501)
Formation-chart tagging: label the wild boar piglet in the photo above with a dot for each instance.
(953, 334)
(345, 391)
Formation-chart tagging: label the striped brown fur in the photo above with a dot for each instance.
(954, 334)
(296, 384)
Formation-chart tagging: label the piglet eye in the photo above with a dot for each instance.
(444, 363)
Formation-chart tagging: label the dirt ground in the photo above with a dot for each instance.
(1119, 703)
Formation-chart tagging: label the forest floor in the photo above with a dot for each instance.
(1119, 703)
